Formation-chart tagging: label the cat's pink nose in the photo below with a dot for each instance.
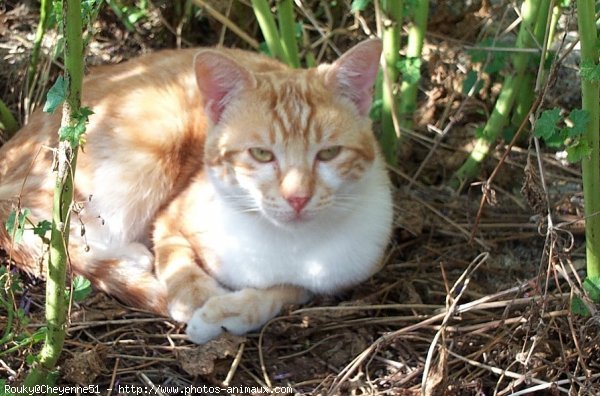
(298, 203)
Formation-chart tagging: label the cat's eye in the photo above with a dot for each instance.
(261, 155)
(329, 153)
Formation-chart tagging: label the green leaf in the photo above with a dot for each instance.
(579, 308)
(359, 5)
(592, 287)
(376, 107)
(11, 223)
(57, 14)
(82, 287)
(263, 48)
(557, 140)
(590, 72)
(410, 69)
(546, 125)
(56, 95)
(578, 151)
(509, 132)
(84, 114)
(74, 133)
(15, 224)
(39, 335)
(22, 317)
(497, 59)
(42, 228)
(580, 119)
(479, 55)
(298, 29)
(52, 378)
(4, 389)
(70, 134)
(497, 63)
(469, 81)
(30, 359)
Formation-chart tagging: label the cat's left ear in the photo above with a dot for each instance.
(220, 78)
(354, 73)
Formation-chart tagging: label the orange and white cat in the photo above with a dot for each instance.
(215, 185)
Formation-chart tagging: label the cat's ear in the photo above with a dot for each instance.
(354, 73)
(220, 78)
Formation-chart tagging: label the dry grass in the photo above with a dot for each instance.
(455, 311)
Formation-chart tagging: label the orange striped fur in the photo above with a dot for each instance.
(216, 185)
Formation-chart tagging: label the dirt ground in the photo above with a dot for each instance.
(469, 302)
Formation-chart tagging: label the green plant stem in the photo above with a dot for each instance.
(45, 11)
(392, 23)
(56, 299)
(523, 102)
(24, 343)
(7, 121)
(590, 166)
(268, 28)
(553, 22)
(526, 96)
(414, 47)
(512, 83)
(287, 27)
(309, 57)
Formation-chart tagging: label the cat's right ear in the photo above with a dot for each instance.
(220, 78)
(354, 73)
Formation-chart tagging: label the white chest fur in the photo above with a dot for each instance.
(335, 250)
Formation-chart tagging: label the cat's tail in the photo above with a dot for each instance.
(11, 190)
(28, 253)
(126, 273)
(21, 211)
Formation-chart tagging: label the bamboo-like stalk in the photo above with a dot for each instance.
(523, 102)
(287, 28)
(392, 23)
(556, 11)
(590, 166)
(268, 28)
(45, 10)
(309, 57)
(525, 97)
(56, 300)
(414, 47)
(512, 83)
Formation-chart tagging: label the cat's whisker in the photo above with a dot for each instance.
(250, 210)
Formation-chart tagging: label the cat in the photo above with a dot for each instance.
(215, 185)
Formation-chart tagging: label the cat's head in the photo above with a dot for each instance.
(289, 144)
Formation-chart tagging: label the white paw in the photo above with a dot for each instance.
(199, 330)
(180, 310)
(238, 313)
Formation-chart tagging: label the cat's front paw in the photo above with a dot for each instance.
(238, 313)
(199, 330)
